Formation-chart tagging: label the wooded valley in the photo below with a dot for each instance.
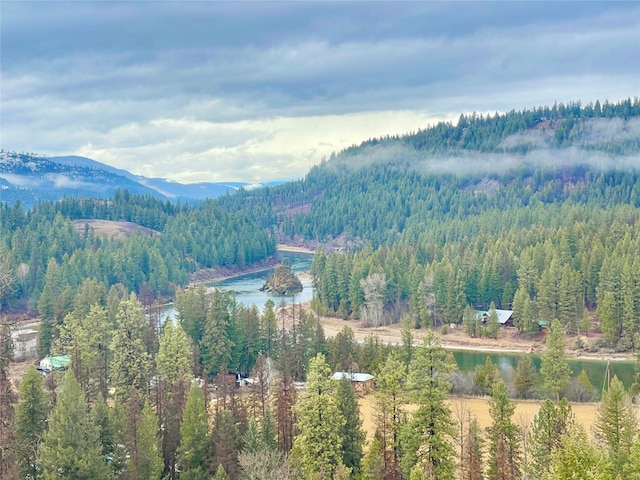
(536, 212)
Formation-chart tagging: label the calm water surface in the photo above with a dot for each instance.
(247, 289)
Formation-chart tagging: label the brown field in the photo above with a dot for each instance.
(112, 229)
(479, 407)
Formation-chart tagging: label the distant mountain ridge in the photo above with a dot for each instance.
(31, 178)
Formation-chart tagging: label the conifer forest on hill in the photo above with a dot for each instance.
(536, 212)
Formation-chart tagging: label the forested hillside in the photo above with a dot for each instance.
(45, 259)
(534, 211)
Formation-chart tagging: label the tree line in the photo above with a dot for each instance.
(47, 258)
(128, 409)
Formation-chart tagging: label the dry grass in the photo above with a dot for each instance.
(112, 229)
(526, 410)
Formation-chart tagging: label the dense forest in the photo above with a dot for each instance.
(534, 211)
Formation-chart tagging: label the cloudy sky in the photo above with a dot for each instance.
(258, 91)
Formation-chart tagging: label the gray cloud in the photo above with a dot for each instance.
(141, 84)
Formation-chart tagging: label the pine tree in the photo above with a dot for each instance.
(268, 431)
(505, 456)
(172, 360)
(390, 417)
(555, 370)
(485, 376)
(30, 422)
(373, 463)
(493, 322)
(550, 425)
(526, 377)
(430, 434)
(351, 431)
(470, 322)
(216, 344)
(578, 459)
(71, 446)
(252, 440)
(131, 363)
(192, 454)
(318, 446)
(227, 442)
(144, 454)
(472, 466)
(616, 424)
(87, 341)
(631, 471)
(221, 474)
(172, 382)
(7, 398)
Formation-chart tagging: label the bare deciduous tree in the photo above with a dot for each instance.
(374, 288)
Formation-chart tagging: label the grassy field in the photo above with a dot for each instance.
(526, 410)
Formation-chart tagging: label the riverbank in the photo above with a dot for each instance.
(220, 274)
(508, 341)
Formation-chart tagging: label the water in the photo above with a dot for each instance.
(247, 286)
(247, 289)
(507, 363)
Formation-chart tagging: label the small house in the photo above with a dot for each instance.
(362, 382)
(505, 317)
(58, 362)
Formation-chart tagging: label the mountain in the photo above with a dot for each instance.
(376, 190)
(31, 178)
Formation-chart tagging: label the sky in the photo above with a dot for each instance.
(262, 91)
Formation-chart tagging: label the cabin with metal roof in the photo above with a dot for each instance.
(362, 382)
(58, 362)
(505, 317)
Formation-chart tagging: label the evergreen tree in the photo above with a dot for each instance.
(71, 446)
(430, 433)
(106, 419)
(86, 340)
(616, 424)
(389, 415)
(493, 322)
(373, 463)
(131, 363)
(631, 471)
(192, 454)
(269, 330)
(318, 446)
(268, 431)
(227, 442)
(578, 459)
(221, 474)
(526, 377)
(555, 370)
(470, 322)
(216, 343)
(486, 376)
(172, 360)
(351, 431)
(505, 455)
(171, 384)
(252, 440)
(7, 459)
(145, 455)
(30, 422)
(550, 425)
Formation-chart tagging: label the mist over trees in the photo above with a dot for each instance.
(534, 211)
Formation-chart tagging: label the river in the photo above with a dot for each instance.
(247, 289)
(247, 286)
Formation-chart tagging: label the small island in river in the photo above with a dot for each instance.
(282, 282)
